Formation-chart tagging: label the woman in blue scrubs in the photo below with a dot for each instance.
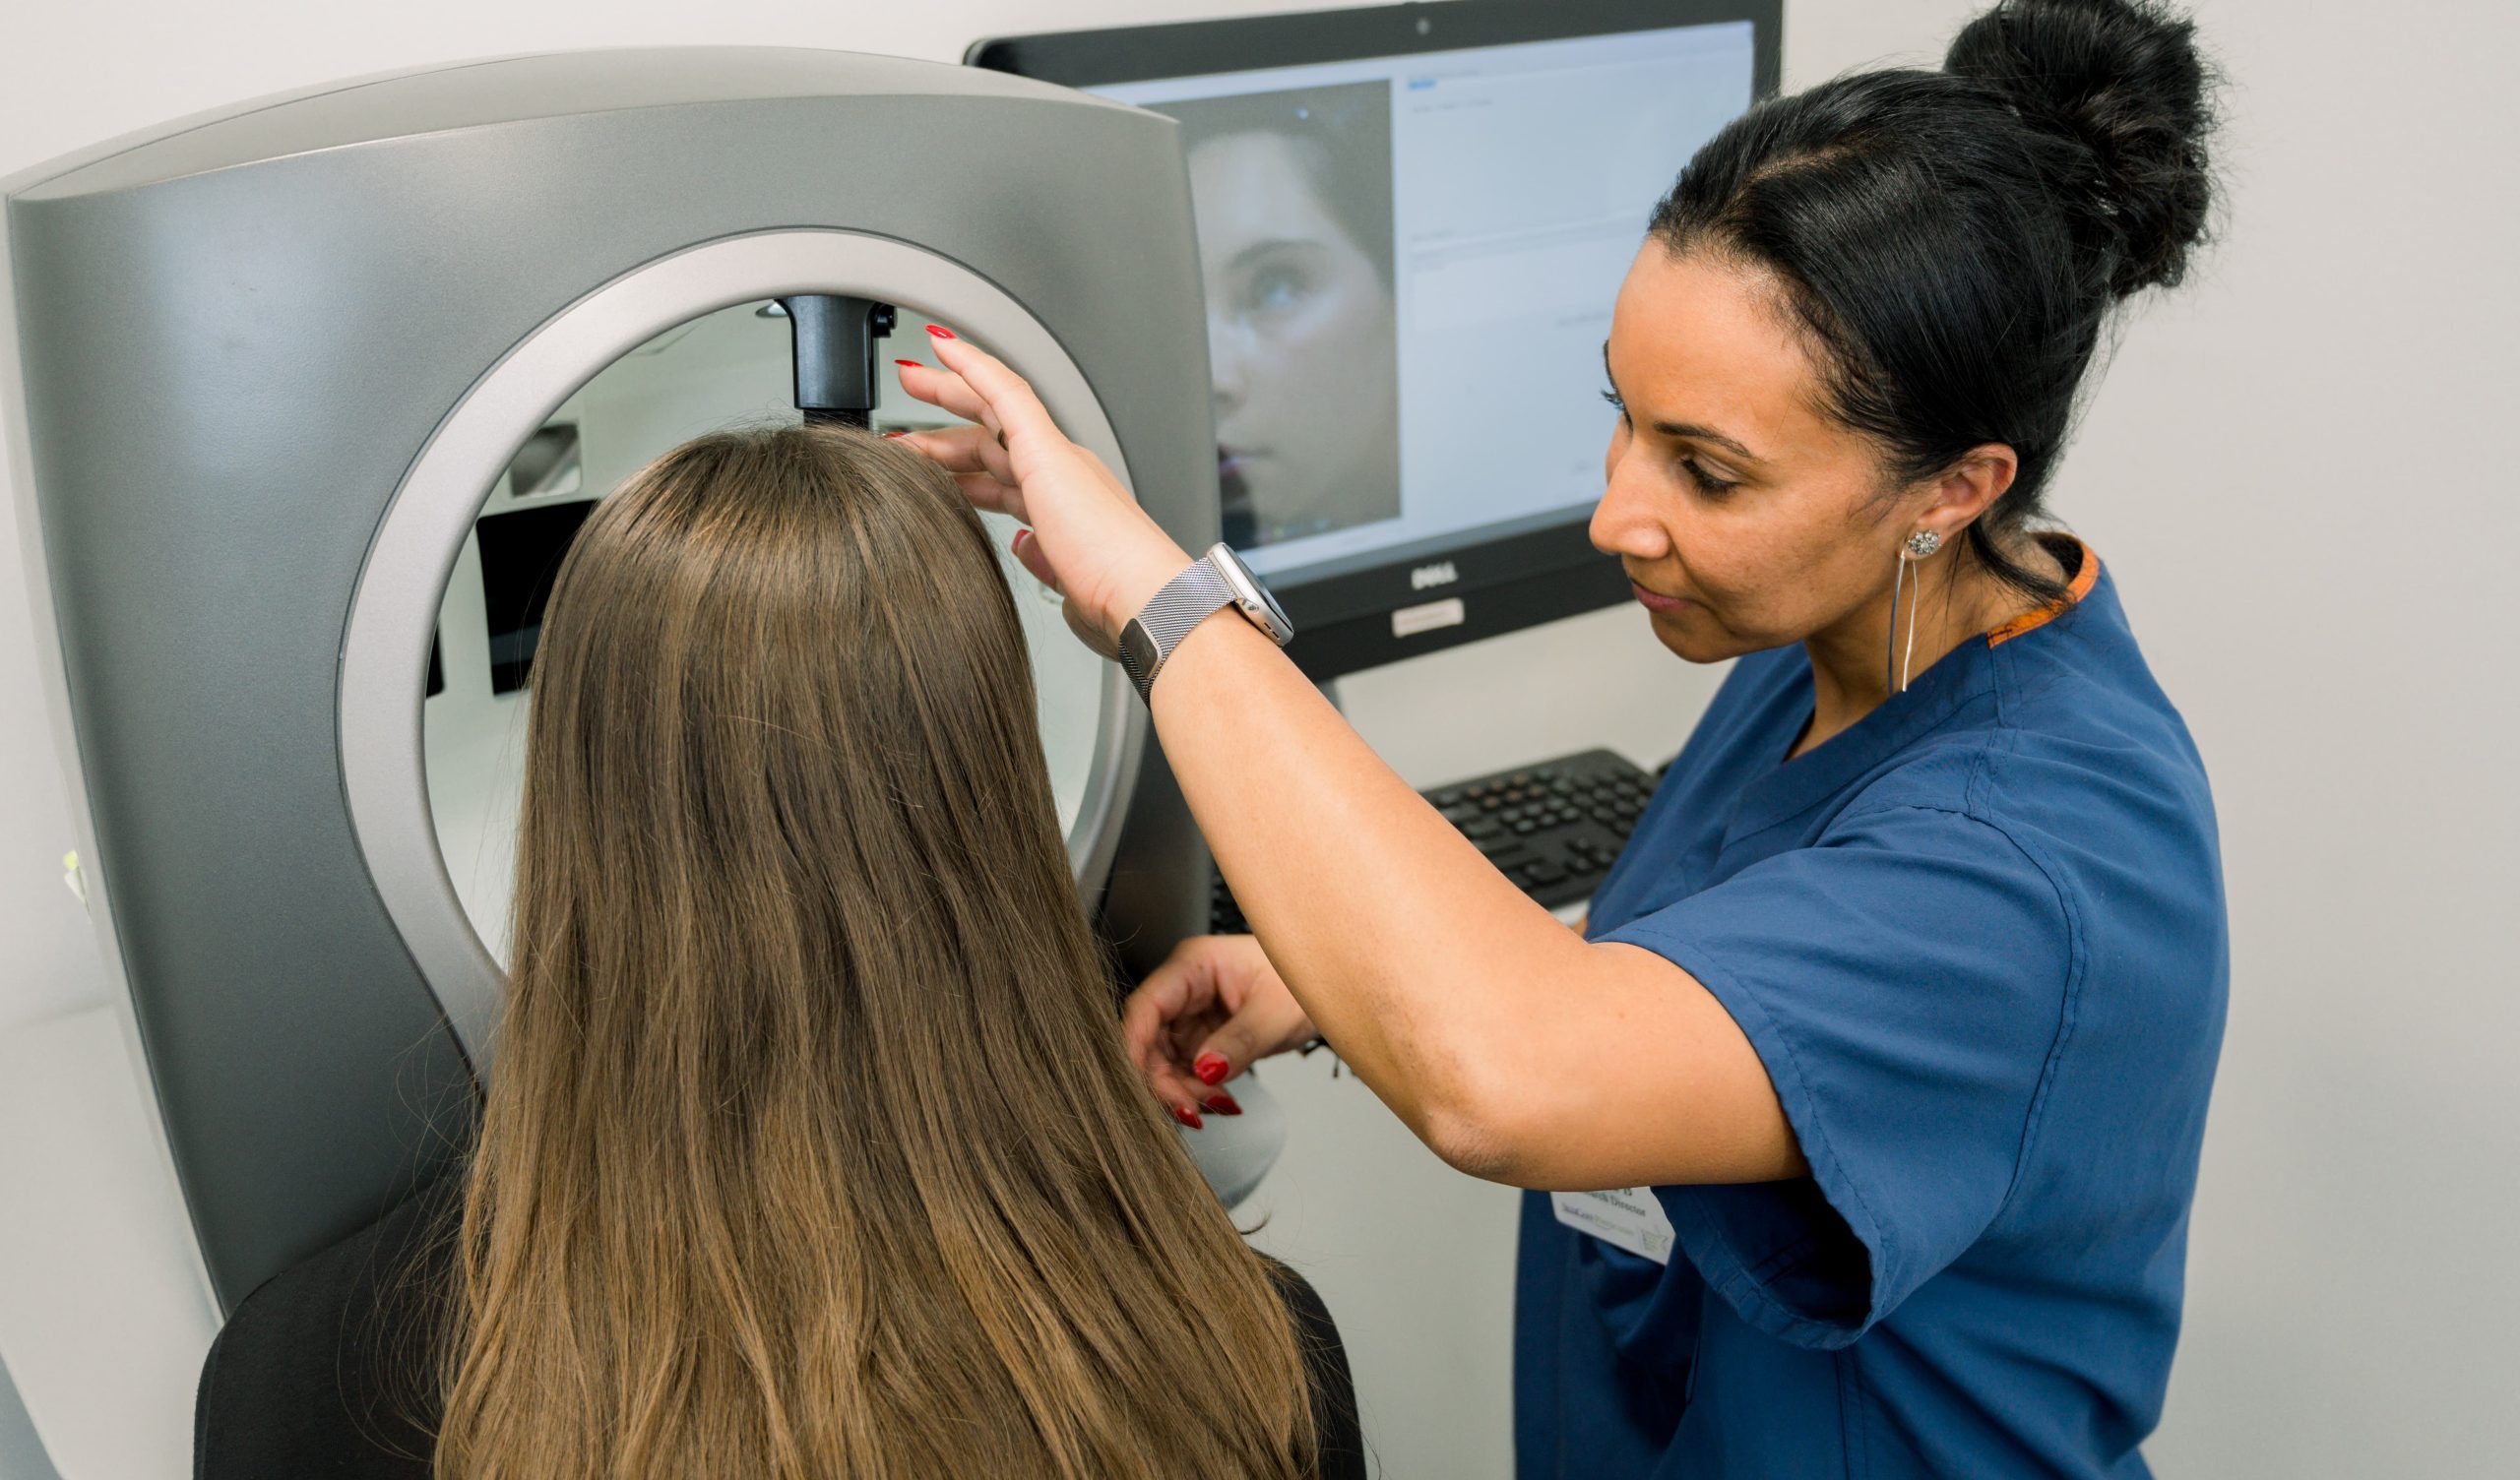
(1862, 1121)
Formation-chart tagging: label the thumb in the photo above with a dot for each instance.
(1234, 1046)
(1028, 554)
(1087, 633)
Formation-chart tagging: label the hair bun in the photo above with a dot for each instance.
(2125, 79)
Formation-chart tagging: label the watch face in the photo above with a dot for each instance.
(1279, 626)
(1251, 595)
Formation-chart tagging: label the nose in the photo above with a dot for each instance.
(1627, 523)
(1226, 353)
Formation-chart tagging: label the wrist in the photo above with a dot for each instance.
(1138, 582)
(1198, 591)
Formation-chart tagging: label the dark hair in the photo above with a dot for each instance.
(1340, 138)
(1953, 241)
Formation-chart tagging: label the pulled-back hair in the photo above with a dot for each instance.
(812, 1149)
(1952, 242)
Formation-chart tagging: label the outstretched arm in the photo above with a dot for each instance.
(1512, 1047)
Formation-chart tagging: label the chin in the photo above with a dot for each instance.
(1694, 637)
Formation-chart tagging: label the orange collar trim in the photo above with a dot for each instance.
(2085, 578)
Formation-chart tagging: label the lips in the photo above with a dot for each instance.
(1654, 600)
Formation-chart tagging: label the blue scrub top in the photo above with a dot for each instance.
(1977, 940)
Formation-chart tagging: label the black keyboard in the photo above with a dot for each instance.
(1553, 827)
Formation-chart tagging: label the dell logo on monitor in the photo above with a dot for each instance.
(1441, 573)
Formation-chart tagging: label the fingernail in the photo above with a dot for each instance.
(1020, 535)
(898, 432)
(1212, 1069)
(911, 364)
(1186, 1116)
(940, 331)
(1221, 1103)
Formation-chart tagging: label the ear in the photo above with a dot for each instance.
(1967, 488)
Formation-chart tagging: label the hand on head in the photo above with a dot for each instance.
(1089, 539)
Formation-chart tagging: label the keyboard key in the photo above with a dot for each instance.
(1553, 827)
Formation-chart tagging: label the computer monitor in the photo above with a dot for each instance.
(1412, 220)
(520, 554)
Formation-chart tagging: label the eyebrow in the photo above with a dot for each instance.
(1687, 430)
(1259, 249)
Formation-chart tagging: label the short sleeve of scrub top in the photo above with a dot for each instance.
(1903, 981)
(1978, 943)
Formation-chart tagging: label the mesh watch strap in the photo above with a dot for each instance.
(1186, 600)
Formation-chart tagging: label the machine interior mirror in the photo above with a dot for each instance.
(729, 368)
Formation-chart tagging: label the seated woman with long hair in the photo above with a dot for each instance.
(812, 1148)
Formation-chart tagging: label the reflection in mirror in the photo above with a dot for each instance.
(724, 369)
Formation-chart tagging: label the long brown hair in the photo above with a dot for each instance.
(812, 1149)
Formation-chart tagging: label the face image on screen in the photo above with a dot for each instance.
(1409, 265)
(1291, 191)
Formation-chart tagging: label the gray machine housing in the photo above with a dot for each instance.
(266, 357)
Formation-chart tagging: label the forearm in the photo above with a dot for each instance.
(1507, 1043)
(1410, 951)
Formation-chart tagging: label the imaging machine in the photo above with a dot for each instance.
(306, 397)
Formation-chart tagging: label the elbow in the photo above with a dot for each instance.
(1482, 1122)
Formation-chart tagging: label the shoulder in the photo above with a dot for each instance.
(2072, 763)
(1334, 1422)
(2082, 691)
(2069, 731)
(322, 1370)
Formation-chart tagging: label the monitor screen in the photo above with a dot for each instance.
(520, 554)
(1410, 263)
(1412, 223)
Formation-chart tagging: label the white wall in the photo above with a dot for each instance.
(2297, 472)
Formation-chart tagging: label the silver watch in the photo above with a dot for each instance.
(1215, 581)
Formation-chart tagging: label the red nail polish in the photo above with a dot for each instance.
(911, 364)
(1221, 1103)
(1020, 535)
(940, 333)
(1186, 1116)
(897, 432)
(1212, 1069)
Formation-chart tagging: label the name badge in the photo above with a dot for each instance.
(1628, 1217)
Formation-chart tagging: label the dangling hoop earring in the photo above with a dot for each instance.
(1919, 545)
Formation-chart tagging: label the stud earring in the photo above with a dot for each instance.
(1917, 546)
